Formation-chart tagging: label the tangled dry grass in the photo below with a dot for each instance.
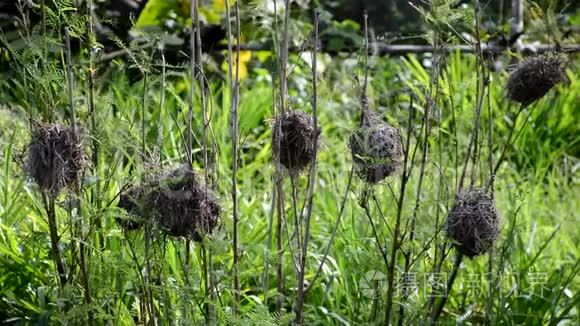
(183, 207)
(176, 201)
(297, 140)
(473, 222)
(376, 148)
(534, 78)
(55, 157)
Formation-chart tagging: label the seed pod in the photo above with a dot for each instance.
(473, 223)
(534, 77)
(55, 157)
(182, 207)
(376, 148)
(297, 140)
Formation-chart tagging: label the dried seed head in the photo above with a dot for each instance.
(297, 140)
(473, 223)
(183, 207)
(55, 157)
(376, 148)
(133, 201)
(534, 78)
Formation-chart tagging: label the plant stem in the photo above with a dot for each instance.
(192, 61)
(207, 160)
(508, 144)
(160, 117)
(70, 80)
(437, 311)
(235, 149)
(279, 269)
(418, 196)
(366, 31)
(334, 231)
(404, 180)
(284, 57)
(54, 238)
(364, 205)
(91, 103)
(77, 200)
(149, 288)
(234, 91)
(278, 175)
(311, 182)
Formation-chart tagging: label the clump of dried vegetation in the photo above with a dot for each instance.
(473, 223)
(376, 148)
(181, 206)
(535, 77)
(55, 157)
(297, 139)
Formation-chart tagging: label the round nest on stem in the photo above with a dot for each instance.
(133, 201)
(183, 207)
(297, 140)
(473, 223)
(55, 157)
(376, 148)
(534, 77)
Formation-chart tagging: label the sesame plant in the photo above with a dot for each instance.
(302, 186)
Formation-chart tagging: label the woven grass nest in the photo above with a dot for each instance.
(55, 157)
(534, 78)
(473, 223)
(376, 148)
(177, 202)
(297, 140)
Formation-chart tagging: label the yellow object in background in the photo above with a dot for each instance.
(211, 13)
(245, 58)
(156, 11)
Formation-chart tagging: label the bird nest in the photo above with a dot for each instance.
(55, 157)
(473, 223)
(176, 201)
(182, 206)
(534, 78)
(376, 148)
(295, 140)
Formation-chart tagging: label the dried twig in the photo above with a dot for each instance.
(311, 182)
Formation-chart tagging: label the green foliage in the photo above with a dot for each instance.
(444, 21)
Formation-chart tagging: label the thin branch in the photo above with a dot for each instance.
(311, 179)
(334, 231)
(234, 136)
(189, 147)
(397, 229)
(161, 103)
(418, 196)
(54, 238)
(70, 80)
(283, 62)
(439, 309)
(364, 204)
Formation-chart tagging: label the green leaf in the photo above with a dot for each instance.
(155, 12)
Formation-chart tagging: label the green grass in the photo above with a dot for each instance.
(536, 192)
